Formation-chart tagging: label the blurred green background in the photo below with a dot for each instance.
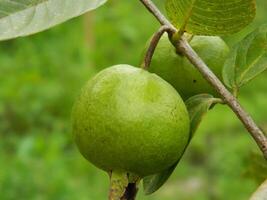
(39, 78)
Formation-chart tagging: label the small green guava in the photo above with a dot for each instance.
(129, 120)
(180, 73)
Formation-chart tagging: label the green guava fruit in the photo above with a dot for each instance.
(180, 73)
(129, 120)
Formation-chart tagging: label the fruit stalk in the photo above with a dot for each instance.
(121, 187)
(118, 184)
(153, 45)
(184, 47)
(130, 192)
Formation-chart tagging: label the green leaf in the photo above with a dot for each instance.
(197, 107)
(211, 17)
(152, 183)
(261, 193)
(25, 17)
(247, 59)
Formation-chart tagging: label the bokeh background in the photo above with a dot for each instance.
(39, 78)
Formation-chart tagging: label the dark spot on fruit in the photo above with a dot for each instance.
(194, 81)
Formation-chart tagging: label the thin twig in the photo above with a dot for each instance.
(184, 47)
(152, 46)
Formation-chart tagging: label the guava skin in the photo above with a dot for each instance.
(180, 73)
(127, 119)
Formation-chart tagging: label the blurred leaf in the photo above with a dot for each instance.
(197, 107)
(247, 59)
(211, 17)
(24, 17)
(261, 193)
(256, 167)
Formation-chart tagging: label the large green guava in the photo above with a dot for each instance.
(129, 120)
(180, 73)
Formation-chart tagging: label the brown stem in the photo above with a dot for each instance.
(184, 47)
(232, 101)
(153, 44)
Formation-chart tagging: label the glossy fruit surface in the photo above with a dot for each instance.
(127, 119)
(180, 73)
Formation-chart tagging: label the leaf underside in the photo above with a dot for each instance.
(25, 17)
(197, 107)
(211, 17)
(247, 59)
